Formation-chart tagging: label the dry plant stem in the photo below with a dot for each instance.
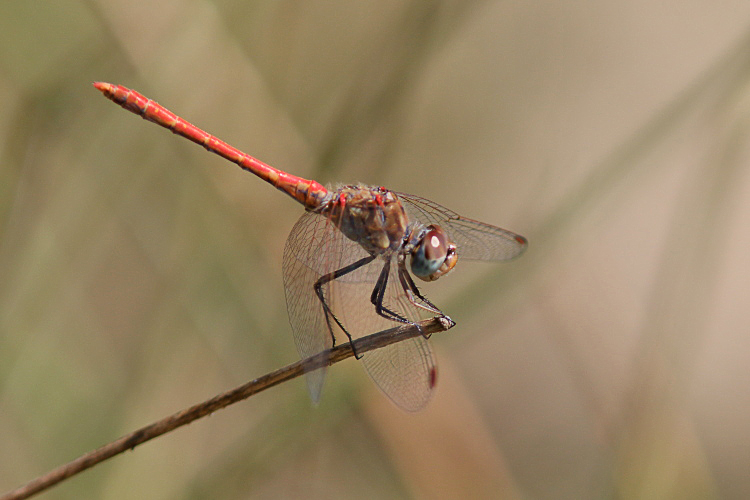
(130, 441)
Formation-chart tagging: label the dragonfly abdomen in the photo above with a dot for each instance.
(309, 193)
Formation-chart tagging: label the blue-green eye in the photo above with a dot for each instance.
(433, 255)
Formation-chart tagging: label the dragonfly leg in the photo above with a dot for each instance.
(412, 291)
(378, 294)
(326, 278)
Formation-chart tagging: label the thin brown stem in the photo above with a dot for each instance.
(183, 417)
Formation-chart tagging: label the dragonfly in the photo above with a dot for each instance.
(350, 260)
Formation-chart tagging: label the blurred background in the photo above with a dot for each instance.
(140, 275)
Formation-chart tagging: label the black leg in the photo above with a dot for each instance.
(378, 294)
(326, 308)
(410, 286)
(412, 291)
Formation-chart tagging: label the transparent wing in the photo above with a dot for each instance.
(474, 240)
(404, 371)
(307, 256)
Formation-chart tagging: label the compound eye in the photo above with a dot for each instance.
(434, 255)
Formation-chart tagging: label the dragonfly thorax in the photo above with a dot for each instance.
(373, 217)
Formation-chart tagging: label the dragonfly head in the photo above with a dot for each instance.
(433, 255)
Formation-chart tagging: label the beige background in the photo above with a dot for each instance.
(139, 275)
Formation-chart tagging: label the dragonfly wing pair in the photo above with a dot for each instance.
(404, 371)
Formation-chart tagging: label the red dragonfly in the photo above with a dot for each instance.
(345, 261)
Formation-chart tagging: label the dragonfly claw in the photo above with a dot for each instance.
(425, 334)
(446, 322)
(357, 356)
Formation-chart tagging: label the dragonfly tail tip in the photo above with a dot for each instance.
(104, 87)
